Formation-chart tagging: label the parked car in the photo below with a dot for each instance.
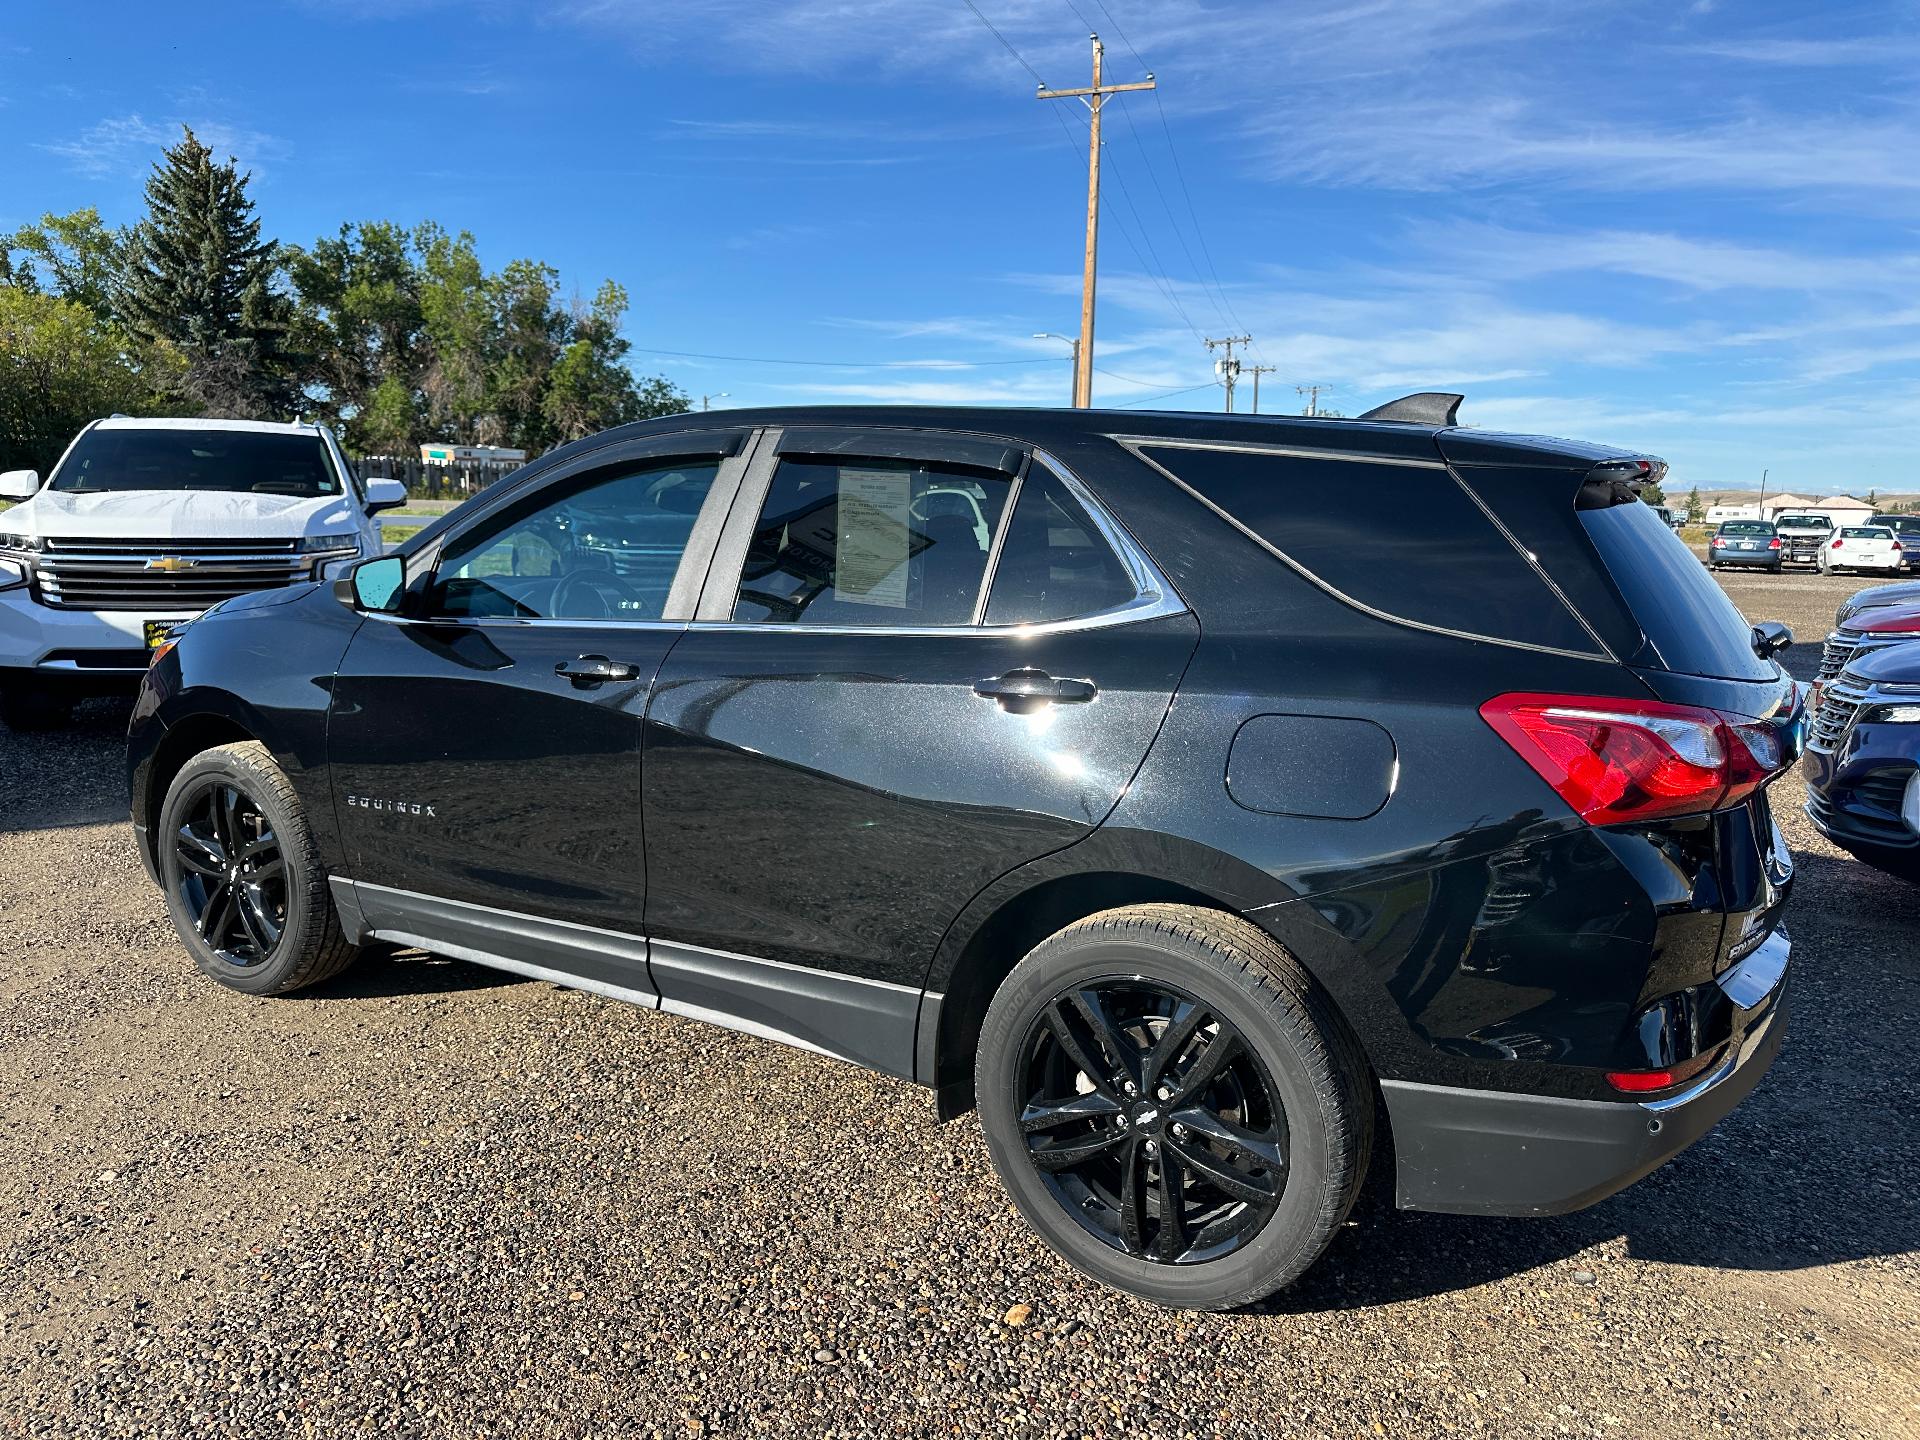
(145, 523)
(1166, 823)
(1802, 537)
(1869, 628)
(1906, 529)
(1667, 516)
(1862, 547)
(1745, 542)
(1863, 761)
(1901, 592)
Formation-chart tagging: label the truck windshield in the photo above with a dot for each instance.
(232, 461)
(1804, 522)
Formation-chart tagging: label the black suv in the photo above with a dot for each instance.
(1116, 773)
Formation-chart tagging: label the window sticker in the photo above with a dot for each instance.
(870, 561)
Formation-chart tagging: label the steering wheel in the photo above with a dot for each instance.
(571, 592)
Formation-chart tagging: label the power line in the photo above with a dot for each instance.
(1038, 77)
(1165, 395)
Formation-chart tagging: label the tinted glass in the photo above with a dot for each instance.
(1867, 532)
(870, 543)
(235, 461)
(599, 547)
(1686, 617)
(1439, 561)
(1804, 522)
(1746, 527)
(1053, 564)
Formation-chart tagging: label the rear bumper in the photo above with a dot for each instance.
(1765, 559)
(1488, 1152)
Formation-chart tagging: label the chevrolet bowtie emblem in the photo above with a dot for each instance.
(172, 564)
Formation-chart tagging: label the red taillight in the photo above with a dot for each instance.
(1718, 542)
(1774, 544)
(1896, 547)
(1638, 1082)
(1836, 544)
(1616, 761)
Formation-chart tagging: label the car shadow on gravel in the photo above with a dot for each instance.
(1813, 1169)
(386, 972)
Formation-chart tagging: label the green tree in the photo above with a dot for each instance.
(458, 319)
(82, 260)
(1694, 512)
(1652, 493)
(529, 332)
(358, 313)
(591, 387)
(59, 368)
(200, 279)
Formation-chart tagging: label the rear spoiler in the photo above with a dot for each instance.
(1618, 482)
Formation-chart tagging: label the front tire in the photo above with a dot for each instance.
(242, 875)
(1174, 1105)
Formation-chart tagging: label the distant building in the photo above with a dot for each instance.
(441, 454)
(1844, 510)
(1774, 506)
(1717, 513)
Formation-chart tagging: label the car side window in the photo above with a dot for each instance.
(602, 546)
(1053, 565)
(879, 543)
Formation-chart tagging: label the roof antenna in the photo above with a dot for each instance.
(1429, 407)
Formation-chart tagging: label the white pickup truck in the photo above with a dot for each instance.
(146, 523)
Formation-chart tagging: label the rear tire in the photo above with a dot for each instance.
(26, 706)
(1239, 1177)
(242, 875)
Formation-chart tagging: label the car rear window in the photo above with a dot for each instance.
(1439, 561)
(234, 461)
(1690, 624)
(1746, 527)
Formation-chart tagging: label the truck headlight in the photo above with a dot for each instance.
(329, 545)
(1893, 715)
(13, 543)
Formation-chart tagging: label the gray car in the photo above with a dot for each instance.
(1753, 543)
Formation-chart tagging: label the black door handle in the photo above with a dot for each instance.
(1028, 689)
(594, 669)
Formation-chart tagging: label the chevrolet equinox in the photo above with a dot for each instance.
(1113, 773)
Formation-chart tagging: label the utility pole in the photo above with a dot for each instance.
(1095, 98)
(706, 401)
(1228, 369)
(1257, 371)
(1312, 392)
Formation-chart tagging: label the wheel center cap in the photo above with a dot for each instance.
(1145, 1115)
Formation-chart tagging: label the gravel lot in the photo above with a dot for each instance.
(429, 1200)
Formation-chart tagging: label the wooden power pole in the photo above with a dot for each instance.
(1257, 371)
(1095, 98)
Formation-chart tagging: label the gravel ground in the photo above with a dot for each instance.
(426, 1200)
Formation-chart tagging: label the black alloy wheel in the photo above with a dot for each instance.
(1151, 1120)
(232, 874)
(242, 874)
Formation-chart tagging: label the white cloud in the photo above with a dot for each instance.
(126, 145)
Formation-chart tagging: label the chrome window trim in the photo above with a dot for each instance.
(1136, 450)
(1154, 597)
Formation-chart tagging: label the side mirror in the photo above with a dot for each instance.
(377, 585)
(385, 495)
(19, 484)
(1770, 637)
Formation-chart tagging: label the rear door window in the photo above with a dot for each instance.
(1054, 565)
(1403, 540)
(1687, 618)
(871, 543)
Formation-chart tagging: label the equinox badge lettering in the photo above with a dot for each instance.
(398, 807)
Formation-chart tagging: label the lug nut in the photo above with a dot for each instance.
(1128, 1086)
(1164, 1093)
(1121, 1121)
(1152, 1149)
(1179, 1131)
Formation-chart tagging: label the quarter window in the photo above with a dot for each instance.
(880, 543)
(1053, 565)
(604, 546)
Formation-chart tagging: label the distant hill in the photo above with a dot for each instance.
(1905, 500)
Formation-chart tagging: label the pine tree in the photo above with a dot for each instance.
(200, 279)
(1694, 512)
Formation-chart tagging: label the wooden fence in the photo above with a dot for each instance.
(434, 482)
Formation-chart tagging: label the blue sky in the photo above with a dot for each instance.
(1684, 227)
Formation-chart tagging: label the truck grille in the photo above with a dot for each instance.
(82, 574)
(1839, 703)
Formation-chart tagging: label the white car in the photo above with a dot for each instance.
(146, 523)
(1863, 547)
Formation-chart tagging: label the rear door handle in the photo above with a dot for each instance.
(1028, 689)
(595, 669)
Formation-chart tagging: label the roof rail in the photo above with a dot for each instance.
(1429, 407)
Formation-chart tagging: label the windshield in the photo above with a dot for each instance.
(231, 461)
(1805, 522)
(1746, 527)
